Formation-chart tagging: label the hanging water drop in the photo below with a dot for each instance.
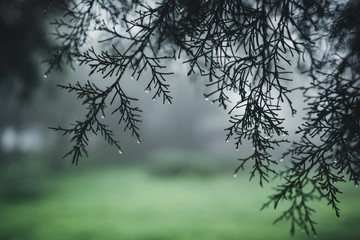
(206, 99)
(294, 113)
(235, 175)
(132, 77)
(237, 149)
(281, 159)
(138, 141)
(254, 148)
(227, 140)
(357, 185)
(120, 151)
(45, 75)
(102, 116)
(147, 90)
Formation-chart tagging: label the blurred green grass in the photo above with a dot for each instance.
(133, 203)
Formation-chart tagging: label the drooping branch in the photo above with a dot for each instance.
(242, 48)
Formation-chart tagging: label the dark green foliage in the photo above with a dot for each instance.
(20, 189)
(179, 164)
(23, 38)
(244, 47)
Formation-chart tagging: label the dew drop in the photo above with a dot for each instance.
(45, 75)
(120, 151)
(102, 116)
(315, 236)
(281, 159)
(235, 175)
(294, 113)
(147, 90)
(254, 148)
(237, 149)
(138, 140)
(132, 77)
(227, 140)
(357, 185)
(206, 99)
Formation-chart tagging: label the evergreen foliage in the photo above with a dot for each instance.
(239, 46)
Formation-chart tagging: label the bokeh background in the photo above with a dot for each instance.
(177, 184)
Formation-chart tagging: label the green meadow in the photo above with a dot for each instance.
(117, 202)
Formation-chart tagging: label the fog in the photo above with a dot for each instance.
(176, 184)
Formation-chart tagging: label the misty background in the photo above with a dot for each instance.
(176, 184)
